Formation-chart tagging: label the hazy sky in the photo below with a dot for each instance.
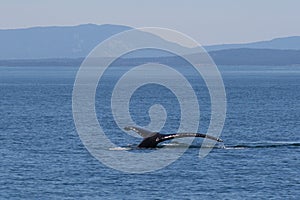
(207, 21)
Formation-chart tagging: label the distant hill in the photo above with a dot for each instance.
(267, 57)
(54, 42)
(286, 43)
(256, 57)
(66, 41)
(68, 45)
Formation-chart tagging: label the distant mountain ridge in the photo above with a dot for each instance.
(259, 57)
(54, 41)
(244, 56)
(70, 44)
(286, 43)
(66, 41)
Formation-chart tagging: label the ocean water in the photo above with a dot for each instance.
(42, 156)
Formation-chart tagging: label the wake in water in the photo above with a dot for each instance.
(250, 145)
(253, 145)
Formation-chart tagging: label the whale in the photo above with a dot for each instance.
(152, 139)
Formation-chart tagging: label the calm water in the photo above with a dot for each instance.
(42, 156)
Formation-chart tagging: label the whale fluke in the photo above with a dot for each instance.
(142, 132)
(151, 139)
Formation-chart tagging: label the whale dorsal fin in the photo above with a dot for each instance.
(142, 132)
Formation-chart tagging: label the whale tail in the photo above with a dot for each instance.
(142, 132)
(181, 135)
(151, 139)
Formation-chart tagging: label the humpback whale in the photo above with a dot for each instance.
(151, 139)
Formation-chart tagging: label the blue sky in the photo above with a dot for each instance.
(207, 21)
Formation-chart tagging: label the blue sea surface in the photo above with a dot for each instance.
(42, 156)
